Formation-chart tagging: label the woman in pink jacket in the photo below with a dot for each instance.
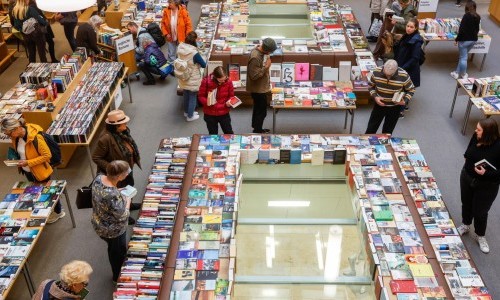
(219, 112)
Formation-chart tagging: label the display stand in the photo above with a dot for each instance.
(123, 51)
(6, 54)
(24, 267)
(114, 16)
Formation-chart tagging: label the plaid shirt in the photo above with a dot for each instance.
(380, 86)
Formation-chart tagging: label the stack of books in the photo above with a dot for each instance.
(325, 94)
(149, 244)
(18, 234)
(78, 117)
(440, 28)
(38, 73)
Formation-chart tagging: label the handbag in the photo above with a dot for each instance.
(375, 28)
(84, 196)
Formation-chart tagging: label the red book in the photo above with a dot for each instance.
(234, 72)
(403, 286)
(207, 265)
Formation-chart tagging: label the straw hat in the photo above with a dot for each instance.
(117, 117)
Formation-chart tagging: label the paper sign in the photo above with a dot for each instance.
(124, 44)
(118, 97)
(482, 46)
(427, 6)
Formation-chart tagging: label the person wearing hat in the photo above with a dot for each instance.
(385, 83)
(258, 82)
(116, 143)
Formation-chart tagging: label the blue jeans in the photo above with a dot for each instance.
(171, 51)
(463, 50)
(190, 99)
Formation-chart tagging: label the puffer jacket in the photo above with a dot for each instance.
(38, 161)
(407, 53)
(153, 56)
(224, 92)
(55, 292)
(186, 52)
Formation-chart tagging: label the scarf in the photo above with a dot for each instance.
(124, 137)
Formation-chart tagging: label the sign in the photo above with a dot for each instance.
(482, 46)
(118, 97)
(428, 6)
(124, 44)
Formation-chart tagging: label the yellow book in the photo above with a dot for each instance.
(421, 270)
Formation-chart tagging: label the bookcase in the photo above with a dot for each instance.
(120, 49)
(114, 16)
(6, 54)
(494, 10)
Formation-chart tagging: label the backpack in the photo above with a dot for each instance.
(154, 30)
(181, 69)
(29, 26)
(54, 148)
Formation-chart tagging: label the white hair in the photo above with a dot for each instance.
(390, 66)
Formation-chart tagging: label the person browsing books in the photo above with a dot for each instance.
(154, 61)
(110, 211)
(86, 35)
(74, 278)
(407, 12)
(217, 85)
(33, 153)
(391, 87)
(480, 179)
(175, 25)
(258, 82)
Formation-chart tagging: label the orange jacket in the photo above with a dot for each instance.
(38, 161)
(184, 25)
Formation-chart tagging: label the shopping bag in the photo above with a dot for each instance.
(375, 28)
(84, 197)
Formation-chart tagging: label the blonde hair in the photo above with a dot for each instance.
(75, 272)
(20, 9)
(9, 124)
(117, 168)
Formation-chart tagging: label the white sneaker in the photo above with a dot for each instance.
(483, 244)
(463, 229)
(55, 216)
(194, 117)
(465, 76)
(454, 75)
(195, 113)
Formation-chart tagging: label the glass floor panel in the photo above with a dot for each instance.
(296, 32)
(302, 292)
(286, 200)
(280, 21)
(293, 172)
(312, 253)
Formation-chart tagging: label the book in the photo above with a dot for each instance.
(288, 72)
(234, 101)
(397, 97)
(301, 71)
(330, 74)
(316, 72)
(212, 64)
(234, 72)
(485, 164)
(11, 163)
(345, 71)
(275, 72)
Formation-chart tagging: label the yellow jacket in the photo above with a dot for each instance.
(38, 161)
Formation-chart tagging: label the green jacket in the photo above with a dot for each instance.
(407, 13)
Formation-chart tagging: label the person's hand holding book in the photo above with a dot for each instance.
(480, 170)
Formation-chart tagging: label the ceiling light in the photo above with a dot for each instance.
(64, 5)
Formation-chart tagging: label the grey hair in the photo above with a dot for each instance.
(146, 41)
(390, 67)
(9, 124)
(95, 21)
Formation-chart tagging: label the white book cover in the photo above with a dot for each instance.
(275, 72)
(345, 71)
(288, 72)
(212, 64)
(317, 157)
(330, 74)
(243, 73)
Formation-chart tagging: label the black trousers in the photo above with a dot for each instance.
(69, 32)
(117, 251)
(214, 121)
(477, 198)
(259, 112)
(33, 44)
(149, 70)
(391, 115)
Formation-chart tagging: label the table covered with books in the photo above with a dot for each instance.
(184, 244)
(314, 96)
(446, 30)
(24, 212)
(483, 93)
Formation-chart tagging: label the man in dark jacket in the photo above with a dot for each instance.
(86, 35)
(154, 62)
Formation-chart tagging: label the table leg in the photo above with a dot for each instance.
(29, 280)
(129, 89)
(454, 99)
(466, 117)
(90, 162)
(345, 119)
(482, 62)
(352, 120)
(274, 120)
(69, 207)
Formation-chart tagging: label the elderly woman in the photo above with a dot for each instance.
(74, 277)
(33, 154)
(175, 25)
(86, 35)
(153, 61)
(35, 41)
(110, 213)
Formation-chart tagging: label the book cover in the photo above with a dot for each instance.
(234, 101)
(402, 286)
(288, 72)
(316, 72)
(295, 156)
(301, 71)
(234, 72)
(275, 72)
(212, 64)
(345, 71)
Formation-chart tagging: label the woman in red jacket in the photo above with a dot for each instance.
(219, 112)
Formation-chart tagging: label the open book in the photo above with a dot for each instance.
(396, 98)
(234, 101)
(11, 163)
(128, 191)
(485, 164)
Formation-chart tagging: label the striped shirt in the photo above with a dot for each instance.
(380, 86)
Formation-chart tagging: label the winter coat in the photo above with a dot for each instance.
(379, 6)
(87, 37)
(407, 54)
(30, 13)
(55, 292)
(38, 160)
(153, 56)
(407, 13)
(108, 150)
(187, 52)
(224, 92)
(184, 25)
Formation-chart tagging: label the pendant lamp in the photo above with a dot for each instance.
(64, 5)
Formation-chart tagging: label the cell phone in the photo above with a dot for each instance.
(83, 293)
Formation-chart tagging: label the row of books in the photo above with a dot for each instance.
(86, 103)
(206, 258)
(442, 28)
(18, 234)
(149, 245)
(328, 95)
(37, 73)
(487, 86)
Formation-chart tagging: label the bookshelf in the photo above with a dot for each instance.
(114, 16)
(494, 10)
(6, 54)
(125, 53)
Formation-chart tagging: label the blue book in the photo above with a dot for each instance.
(295, 156)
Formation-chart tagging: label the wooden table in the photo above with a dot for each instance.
(349, 110)
(24, 267)
(468, 93)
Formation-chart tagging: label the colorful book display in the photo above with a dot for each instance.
(323, 94)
